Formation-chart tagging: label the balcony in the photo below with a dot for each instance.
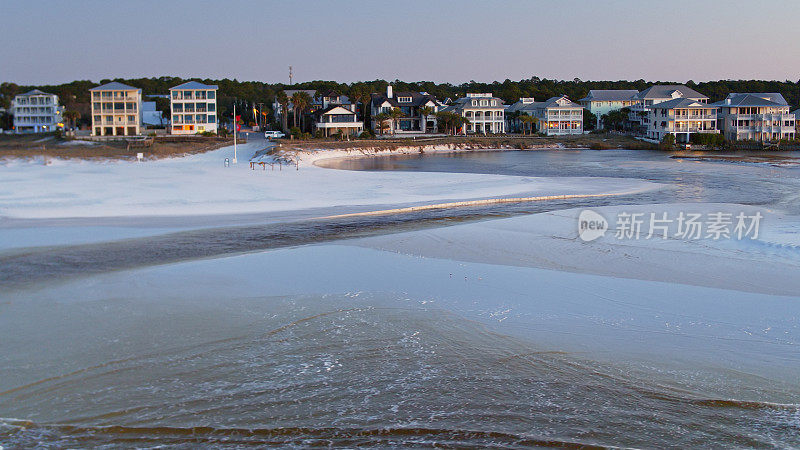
(340, 124)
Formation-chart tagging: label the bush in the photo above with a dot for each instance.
(366, 135)
(295, 132)
(207, 134)
(667, 143)
(713, 140)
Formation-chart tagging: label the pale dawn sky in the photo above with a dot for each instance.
(443, 41)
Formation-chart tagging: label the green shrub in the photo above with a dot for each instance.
(667, 143)
(713, 140)
(295, 132)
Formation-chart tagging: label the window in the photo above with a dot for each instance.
(177, 107)
(131, 119)
(200, 118)
(98, 119)
(474, 103)
(212, 106)
(96, 106)
(175, 95)
(187, 95)
(494, 102)
(484, 102)
(211, 95)
(404, 99)
(212, 119)
(189, 107)
(177, 118)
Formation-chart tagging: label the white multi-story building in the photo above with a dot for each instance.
(555, 117)
(757, 116)
(36, 112)
(194, 108)
(680, 117)
(485, 113)
(602, 101)
(640, 110)
(116, 110)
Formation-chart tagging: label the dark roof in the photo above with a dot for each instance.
(610, 95)
(754, 99)
(115, 86)
(417, 99)
(681, 103)
(194, 85)
(330, 108)
(667, 90)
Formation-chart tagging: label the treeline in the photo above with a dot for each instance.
(76, 93)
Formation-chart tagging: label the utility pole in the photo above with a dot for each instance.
(290, 75)
(235, 126)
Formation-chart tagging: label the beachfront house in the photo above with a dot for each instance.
(410, 104)
(680, 117)
(485, 112)
(36, 112)
(193, 108)
(338, 120)
(755, 116)
(116, 110)
(556, 116)
(320, 100)
(639, 115)
(602, 101)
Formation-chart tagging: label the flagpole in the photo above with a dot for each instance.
(235, 126)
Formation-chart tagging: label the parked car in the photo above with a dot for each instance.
(269, 134)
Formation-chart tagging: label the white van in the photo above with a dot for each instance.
(269, 134)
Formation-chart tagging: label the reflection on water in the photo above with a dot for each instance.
(329, 371)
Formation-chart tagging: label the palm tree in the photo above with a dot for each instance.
(73, 117)
(283, 100)
(300, 101)
(527, 122)
(394, 115)
(425, 111)
(381, 119)
(358, 95)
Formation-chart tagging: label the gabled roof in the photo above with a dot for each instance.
(335, 109)
(555, 102)
(417, 99)
(753, 99)
(34, 92)
(195, 85)
(115, 86)
(610, 95)
(681, 103)
(669, 91)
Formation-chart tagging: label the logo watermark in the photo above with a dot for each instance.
(665, 225)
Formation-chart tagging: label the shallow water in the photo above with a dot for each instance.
(117, 344)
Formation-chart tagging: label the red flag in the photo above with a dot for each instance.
(238, 118)
(238, 127)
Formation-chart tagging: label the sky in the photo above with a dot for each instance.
(46, 42)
